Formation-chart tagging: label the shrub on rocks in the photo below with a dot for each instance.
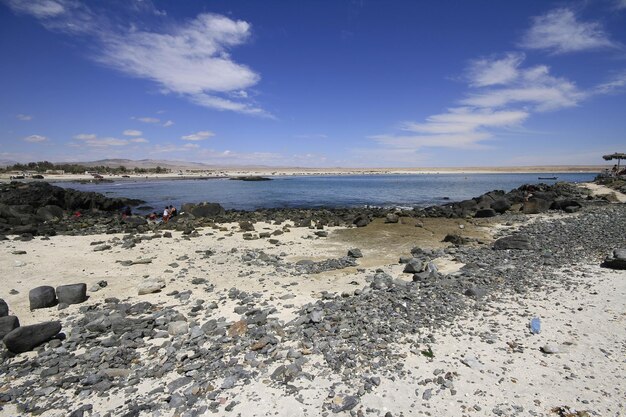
(72, 293)
(25, 338)
(42, 297)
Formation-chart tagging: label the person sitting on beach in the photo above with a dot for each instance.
(152, 216)
(173, 211)
(126, 212)
(166, 214)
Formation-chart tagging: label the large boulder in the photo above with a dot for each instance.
(4, 308)
(501, 205)
(484, 213)
(517, 242)
(536, 206)
(566, 205)
(135, 220)
(414, 266)
(617, 260)
(150, 286)
(361, 221)
(25, 338)
(392, 218)
(50, 212)
(72, 293)
(203, 209)
(7, 324)
(42, 297)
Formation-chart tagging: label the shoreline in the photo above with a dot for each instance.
(278, 173)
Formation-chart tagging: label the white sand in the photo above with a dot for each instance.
(587, 322)
(224, 172)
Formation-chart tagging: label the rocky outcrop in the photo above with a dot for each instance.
(38, 207)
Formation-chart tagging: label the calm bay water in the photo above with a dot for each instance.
(321, 191)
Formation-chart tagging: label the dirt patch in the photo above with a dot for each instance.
(382, 243)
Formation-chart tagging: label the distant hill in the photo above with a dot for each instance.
(173, 165)
(6, 162)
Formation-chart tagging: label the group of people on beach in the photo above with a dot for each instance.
(168, 213)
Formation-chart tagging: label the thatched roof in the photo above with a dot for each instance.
(617, 155)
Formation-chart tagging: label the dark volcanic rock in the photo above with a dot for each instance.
(42, 297)
(361, 221)
(4, 308)
(455, 239)
(488, 212)
(501, 205)
(617, 260)
(25, 338)
(203, 209)
(536, 205)
(72, 293)
(7, 324)
(512, 242)
(50, 212)
(565, 205)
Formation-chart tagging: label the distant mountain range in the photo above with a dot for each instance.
(6, 162)
(172, 165)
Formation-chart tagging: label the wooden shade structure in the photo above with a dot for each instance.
(617, 155)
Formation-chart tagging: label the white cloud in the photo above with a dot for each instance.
(170, 148)
(202, 135)
(147, 119)
(85, 136)
(35, 139)
(620, 4)
(41, 9)
(191, 60)
(486, 72)
(532, 86)
(168, 123)
(465, 119)
(219, 103)
(93, 140)
(24, 117)
(616, 84)
(559, 32)
(188, 58)
(504, 95)
(311, 136)
(131, 132)
(139, 140)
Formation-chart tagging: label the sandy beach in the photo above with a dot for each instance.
(481, 359)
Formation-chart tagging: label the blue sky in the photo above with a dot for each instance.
(313, 83)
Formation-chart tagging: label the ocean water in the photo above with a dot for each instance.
(321, 191)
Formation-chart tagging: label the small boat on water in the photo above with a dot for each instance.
(547, 178)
